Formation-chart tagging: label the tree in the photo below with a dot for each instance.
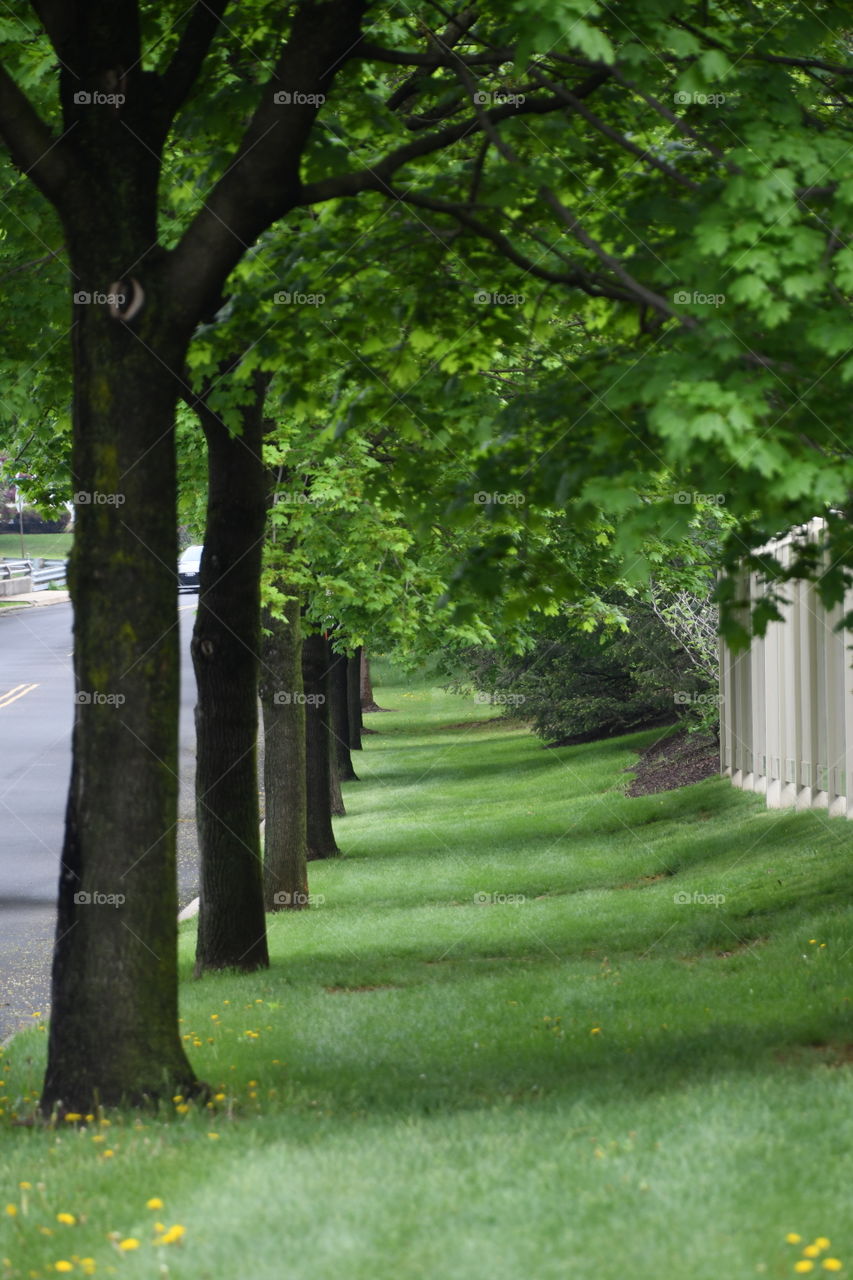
(137, 303)
(225, 651)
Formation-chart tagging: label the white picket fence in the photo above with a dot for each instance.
(786, 705)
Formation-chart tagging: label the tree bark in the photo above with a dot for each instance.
(367, 700)
(354, 699)
(225, 645)
(315, 673)
(340, 717)
(285, 804)
(113, 1028)
(336, 796)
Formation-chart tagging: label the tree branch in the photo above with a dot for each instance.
(590, 284)
(262, 182)
(430, 61)
(31, 144)
(608, 131)
(193, 47)
(377, 177)
(640, 292)
(57, 18)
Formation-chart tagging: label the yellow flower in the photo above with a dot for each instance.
(25, 1186)
(67, 1218)
(803, 1265)
(12, 1210)
(823, 1243)
(832, 1264)
(595, 1031)
(219, 1097)
(89, 1266)
(154, 1203)
(73, 1116)
(182, 1108)
(108, 1153)
(811, 1251)
(213, 1135)
(130, 1243)
(172, 1236)
(793, 1238)
(62, 1265)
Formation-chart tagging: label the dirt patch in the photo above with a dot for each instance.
(820, 1053)
(644, 880)
(676, 760)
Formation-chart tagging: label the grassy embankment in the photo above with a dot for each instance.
(499, 1047)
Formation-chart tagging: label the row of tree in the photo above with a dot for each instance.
(546, 280)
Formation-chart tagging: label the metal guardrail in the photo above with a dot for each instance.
(15, 569)
(42, 571)
(51, 571)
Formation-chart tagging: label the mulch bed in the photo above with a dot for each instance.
(675, 760)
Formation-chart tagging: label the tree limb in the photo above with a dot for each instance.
(377, 177)
(31, 145)
(188, 59)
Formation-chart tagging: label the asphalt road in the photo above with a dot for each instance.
(36, 715)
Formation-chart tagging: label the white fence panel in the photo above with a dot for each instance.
(786, 705)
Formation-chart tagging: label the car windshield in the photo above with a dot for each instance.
(192, 556)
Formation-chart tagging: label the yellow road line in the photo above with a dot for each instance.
(6, 699)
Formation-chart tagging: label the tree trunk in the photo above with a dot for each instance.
(367, 700)
(315, 673)
(225, 645)
(354, 699)
(336, 796)
(113, 1028)
(285, 806)
(340, 717)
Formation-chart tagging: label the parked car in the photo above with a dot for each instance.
(189, 569)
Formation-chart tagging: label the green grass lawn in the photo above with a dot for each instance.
(52, 546)
(497, 1048)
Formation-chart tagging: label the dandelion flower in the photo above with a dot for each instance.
(12, 1210)
(63, 1265)
(804, 1265)
(154, 1203)
(67, 1218)
(811, 1251)
(832, 1264)
(172, 1236)
(130, 1243)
